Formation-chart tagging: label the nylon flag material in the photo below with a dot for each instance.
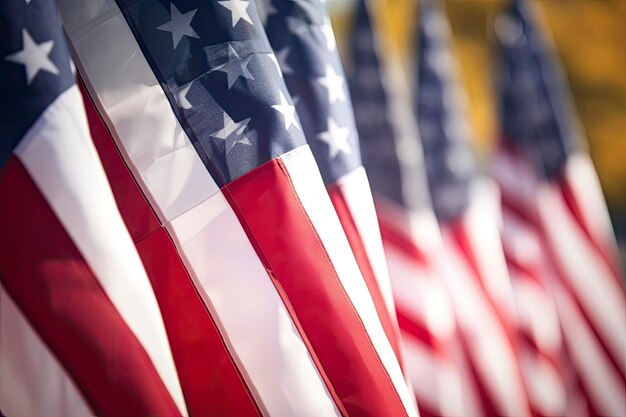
(81, 333)
(304, 45)
(392, 157)
(551, 196)
(467, 208)
(189, 94)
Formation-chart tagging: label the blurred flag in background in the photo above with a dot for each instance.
(392, 158)
(557, 228)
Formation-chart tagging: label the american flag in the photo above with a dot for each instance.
(466, 208)
(80, 328)
(304, 44)
(557, 229)
(206, 153)
(392, 157)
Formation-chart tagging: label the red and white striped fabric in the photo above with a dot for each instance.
(557, 230)
(81, 333)
(479, 286)
(80, 329)
(435, 361)
(352, 198)
(566, 241)
(336, 149)
(271, 268)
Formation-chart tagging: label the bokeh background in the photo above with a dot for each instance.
(590, 39)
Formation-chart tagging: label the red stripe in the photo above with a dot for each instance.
(211, 382)
(418, 331)
(45, 274)
(279, 228)
(427, 411)
(397, 240)
(362, 258)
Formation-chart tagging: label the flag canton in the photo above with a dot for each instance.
(304, 44)
(371, 105)
(218, 70)
(534, 103)
(35, 66)
(442, 123)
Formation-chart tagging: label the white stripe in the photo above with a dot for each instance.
(61, 159)
(419, 294)
(272, 356)
(314, 198)
(356, 190)
(117, 70)
(537, 314)
(32, 382)
(481, 223)
(599, 293)
(521, 240)
(544, 385)
(603, 384)
(585, 185)
(437, 383)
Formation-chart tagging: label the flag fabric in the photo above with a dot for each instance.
(192, 107)
(304, 44)
(467, 209)
(551, 195)
(80, 329)
(392, 157)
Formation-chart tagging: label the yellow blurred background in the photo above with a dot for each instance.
(590, 38)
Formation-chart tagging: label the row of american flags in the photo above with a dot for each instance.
(202, 214)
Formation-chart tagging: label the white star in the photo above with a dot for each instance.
(34, 57)
(272, 57)
(179, 25)
(327, 31)
(238, 10)
(282, 56)
(334, 84)
(235, 67)
(336, 138)
(232, 133)
(288, 111)
(182, 96)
